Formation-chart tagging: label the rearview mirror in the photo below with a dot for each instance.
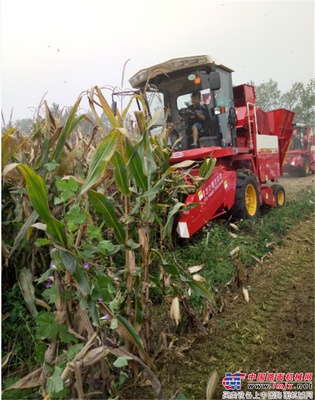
(114, 107)
(215, 81)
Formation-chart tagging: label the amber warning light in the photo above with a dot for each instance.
(197, 80)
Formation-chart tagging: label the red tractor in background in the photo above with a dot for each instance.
(301, 156)
(248, 144)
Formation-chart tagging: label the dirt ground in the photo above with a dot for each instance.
(273, 332)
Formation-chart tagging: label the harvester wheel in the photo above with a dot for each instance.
(246, 205)
(305, 169)
(279, 192)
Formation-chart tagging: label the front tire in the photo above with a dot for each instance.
(246, 205)
(279, 192)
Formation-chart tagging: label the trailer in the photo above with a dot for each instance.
(249, 146)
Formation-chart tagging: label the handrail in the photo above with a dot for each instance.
(251, 145)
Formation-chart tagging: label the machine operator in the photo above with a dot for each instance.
(199, 119)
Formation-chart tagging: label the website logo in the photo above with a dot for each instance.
(233, 381)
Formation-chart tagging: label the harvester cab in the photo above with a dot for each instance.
(247, 145)
(171, 84)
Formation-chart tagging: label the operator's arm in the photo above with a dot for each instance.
(200, 116)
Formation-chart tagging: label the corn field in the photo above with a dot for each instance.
(87, 233)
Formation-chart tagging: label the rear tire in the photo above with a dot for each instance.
(279, 192)
(246, 205)
(305, 169)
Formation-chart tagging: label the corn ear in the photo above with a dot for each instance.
(175, 310)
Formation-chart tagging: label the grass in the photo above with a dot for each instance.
(254, 238)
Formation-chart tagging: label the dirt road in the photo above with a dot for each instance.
(272, 333)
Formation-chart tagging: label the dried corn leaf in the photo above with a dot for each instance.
(8, 168)
(235, 251)
(29, 381)
(198, 278)
(91, 357)
(212, 384)
(175, 310)
(256, 259)
(246, 295)
(235, 227)
(42, 303)
(155, 383)
(183, 164)
(6, 360)
(195, 269)
(234, 235)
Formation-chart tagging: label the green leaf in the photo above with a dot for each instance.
(181, 396)
(105, 246)
(65, 336)
(135, 165)
(46, 326)
(76, 215)
(132, 244)
(114, 323)
(82, 280)
(171, 269)
(120, 173)
(130, 329)
(51, 295)
(42, 242)
(107, 110)
(47, 274)
(121, 361)
(27, 288)
(68, 261)
(37, 193)
(102, 155)
(96, 292)
(167, 229)
(94, 232)
(55, 383)
(69, 184)
(20, 239)
(106, 289)
(138, 310)
(40, 352)
(71, 123)
(73, 351)
(105, 207)
(199, 289)
(51, 166)
(155, 118)
(93, 311)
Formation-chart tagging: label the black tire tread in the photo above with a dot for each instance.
(238, 211)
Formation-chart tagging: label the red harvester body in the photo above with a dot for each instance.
(249, 144)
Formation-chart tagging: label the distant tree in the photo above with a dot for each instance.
(300, 99)
(307, 115)
(55, 110)
(292, 99)
(25, 125)
(268, 95)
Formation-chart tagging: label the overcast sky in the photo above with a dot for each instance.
(64, 47)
